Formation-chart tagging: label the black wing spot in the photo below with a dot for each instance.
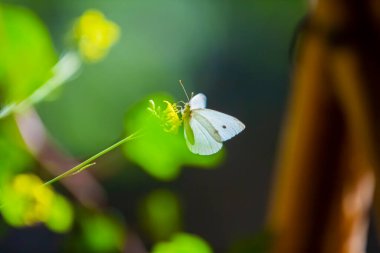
(224, 126)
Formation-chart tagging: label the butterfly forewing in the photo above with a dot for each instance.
(198, 101)
(219, 125)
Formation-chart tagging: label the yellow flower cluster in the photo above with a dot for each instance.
(169, 117)
(27, 201)
(95, 35)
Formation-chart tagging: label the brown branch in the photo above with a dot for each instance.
(329, 157)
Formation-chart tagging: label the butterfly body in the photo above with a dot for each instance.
(205, 129)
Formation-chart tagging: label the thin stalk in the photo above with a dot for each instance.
(89, 162)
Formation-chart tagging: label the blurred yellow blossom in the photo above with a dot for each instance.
(27, 201)
(95, 35)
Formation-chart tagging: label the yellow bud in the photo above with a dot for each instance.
(95, 35)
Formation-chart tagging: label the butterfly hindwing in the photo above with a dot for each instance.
(189, 133)
(204, 143)
(219, 125)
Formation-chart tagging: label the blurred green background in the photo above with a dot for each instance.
(236, 52)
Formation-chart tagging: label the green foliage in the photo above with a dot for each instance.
(160, 214)
(13, 156)
(160, 153)
(183, 243)
(102, 233)
(27, 54)
(61, 215)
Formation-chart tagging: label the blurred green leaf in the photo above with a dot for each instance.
(159, 153)
(183, 243)
(160, 214)
(27, 54)
(13, 155)
(102, 233)
(61, 215)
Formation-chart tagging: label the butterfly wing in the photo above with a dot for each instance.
(219, 125)
(201, 142)
(198, 101)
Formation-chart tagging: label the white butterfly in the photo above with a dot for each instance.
(205, 129)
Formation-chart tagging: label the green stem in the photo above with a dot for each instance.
(65, 69)
(88, 163)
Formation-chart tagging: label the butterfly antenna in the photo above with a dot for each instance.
(183, 87)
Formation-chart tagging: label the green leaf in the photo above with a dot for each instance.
(183, 243)
(102, 233)
(61, 215)
(159, 153)
(27, 54)
(14, 157)
(160, 214)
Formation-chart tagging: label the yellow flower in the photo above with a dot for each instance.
(170, 118)
(27, 201)
(95, 35)
(31, 201)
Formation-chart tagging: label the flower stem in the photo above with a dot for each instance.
(89, 162)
